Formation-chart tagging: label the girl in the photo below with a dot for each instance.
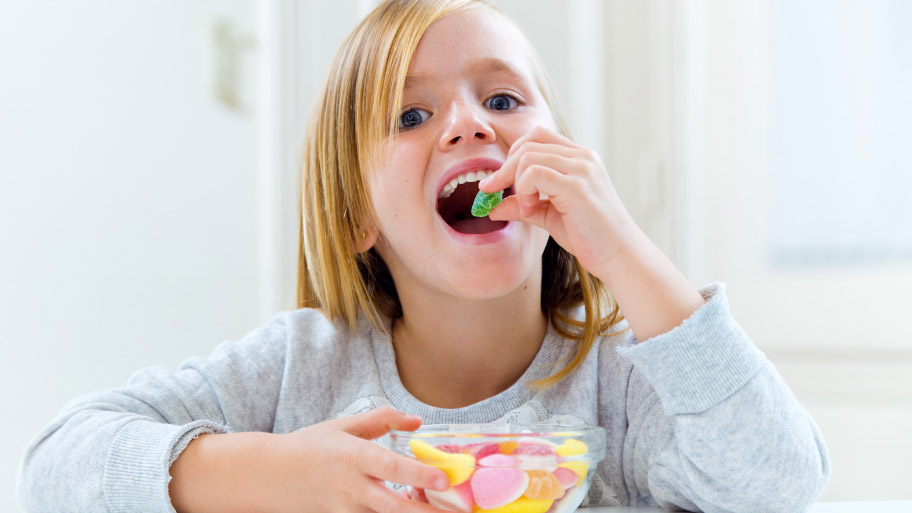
(412, 310)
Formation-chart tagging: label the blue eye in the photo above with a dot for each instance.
(413, 117)
(502, 102)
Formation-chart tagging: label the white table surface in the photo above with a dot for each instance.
(821, 507)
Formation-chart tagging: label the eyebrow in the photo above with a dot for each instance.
(489, 64)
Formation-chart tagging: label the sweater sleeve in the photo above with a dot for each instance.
(111, 451)
(712, 425)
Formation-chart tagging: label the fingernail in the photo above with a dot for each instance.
(442, 483)
(484, 182)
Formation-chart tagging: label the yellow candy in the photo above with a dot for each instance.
(458, 467)
(520, 505)
(571, 447)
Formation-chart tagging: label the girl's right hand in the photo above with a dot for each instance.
(328, 467)
(346, 471)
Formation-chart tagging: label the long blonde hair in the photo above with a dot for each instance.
(342, 142)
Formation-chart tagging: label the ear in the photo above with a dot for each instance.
(365, 238)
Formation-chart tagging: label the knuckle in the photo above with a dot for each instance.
(349, 458)
(382, 501)
(525, 159)
(390, 467)
(593, 155)
(384, 411)
(388, 506)
(347, 495)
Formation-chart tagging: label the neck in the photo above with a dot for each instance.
(453, 353)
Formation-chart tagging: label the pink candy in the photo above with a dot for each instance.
(566, 477)
(494, 486)
(522, 476)
(456, 498)
(536, 456)
(480, 450)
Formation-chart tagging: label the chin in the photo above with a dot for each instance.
(494, 284)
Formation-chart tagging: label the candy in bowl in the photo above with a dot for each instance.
(506, 468)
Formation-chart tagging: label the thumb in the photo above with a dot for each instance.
(508, 210)
(378, 422)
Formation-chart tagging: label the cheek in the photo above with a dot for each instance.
(395, 195)
(520, 126)
(386, 197)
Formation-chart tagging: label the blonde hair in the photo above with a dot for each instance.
(342, 142)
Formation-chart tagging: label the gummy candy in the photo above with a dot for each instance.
(571, 448)
(496, 487)
(567, 477)
(457, 498)
(458, 467)
(521, 505)
(485, 202)
(530, 475)
(544, 485)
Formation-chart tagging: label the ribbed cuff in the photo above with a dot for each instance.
(701, 362)
(137, 469)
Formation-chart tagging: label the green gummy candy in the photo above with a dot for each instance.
(485, 202)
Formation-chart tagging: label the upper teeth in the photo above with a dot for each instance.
(463, 178)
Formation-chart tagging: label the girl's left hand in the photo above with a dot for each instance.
(565, 189)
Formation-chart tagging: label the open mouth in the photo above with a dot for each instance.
(455, 208)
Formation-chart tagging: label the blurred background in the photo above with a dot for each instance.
(148, 170)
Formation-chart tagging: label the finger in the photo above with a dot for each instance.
(505, 176)
(537, 180)
(389, 466)
(534, 161)
(508, 210)
(376, 423)
(381, 499)
(542, 135)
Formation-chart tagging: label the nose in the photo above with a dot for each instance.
(465, 123)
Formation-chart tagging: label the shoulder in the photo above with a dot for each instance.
(608, 342)
(284, 335)
(313, 337)
(310, 324)
(603, 364)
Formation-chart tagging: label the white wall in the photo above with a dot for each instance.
(128, 203)
(692, 115)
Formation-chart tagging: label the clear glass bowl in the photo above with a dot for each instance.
(506, 468)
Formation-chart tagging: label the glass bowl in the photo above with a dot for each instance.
(506, 468)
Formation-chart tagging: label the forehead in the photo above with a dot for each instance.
(460, 41)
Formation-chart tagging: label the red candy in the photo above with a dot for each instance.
(450, 448)
(533, 450)
(480, 450)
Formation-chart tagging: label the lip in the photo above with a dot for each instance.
(477, 239)
(465, 166)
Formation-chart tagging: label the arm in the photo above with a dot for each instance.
(724, 427)
(201, 440)
(111, 451)
(565, 189)
(328, 467)
(712, 425)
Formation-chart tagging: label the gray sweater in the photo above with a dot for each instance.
(696, 418)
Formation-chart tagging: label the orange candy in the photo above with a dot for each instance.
(543, 485)
(508, 447)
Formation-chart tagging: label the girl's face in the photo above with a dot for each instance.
(469, 95)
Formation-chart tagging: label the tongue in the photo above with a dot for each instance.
(477, 225)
